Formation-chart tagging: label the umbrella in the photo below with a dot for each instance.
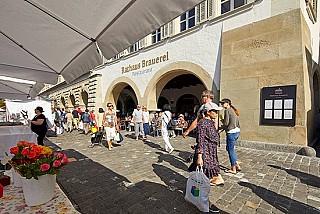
(41, 39)
(16, 89)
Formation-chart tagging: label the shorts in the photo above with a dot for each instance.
(110, 133)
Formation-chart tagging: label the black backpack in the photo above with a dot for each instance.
(171, 124)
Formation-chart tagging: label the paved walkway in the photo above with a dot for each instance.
(139, 177)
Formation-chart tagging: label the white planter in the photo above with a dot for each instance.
(40, 191)
(16, 178)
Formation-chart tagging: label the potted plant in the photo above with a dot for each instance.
(37, 166)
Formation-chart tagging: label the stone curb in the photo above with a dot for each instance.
(300, 150)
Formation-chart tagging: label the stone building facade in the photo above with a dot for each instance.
(236, 51)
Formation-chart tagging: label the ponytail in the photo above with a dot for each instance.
(235, 110)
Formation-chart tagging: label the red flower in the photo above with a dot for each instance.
(45, 167)
(64, 160)
(25, 151)
(56, 164)
(59, 154)
(31, 155)
(14, 150)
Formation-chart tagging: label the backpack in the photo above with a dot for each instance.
(171, 124)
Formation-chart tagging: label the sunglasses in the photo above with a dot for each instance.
(110, 106)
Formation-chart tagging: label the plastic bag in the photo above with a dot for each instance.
(80, 125)
(118, 137)
(198, 190)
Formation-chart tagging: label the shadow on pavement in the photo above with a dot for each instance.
(280, 202)
(153, 145)
(173, 160)
(177, 184)
(93, 188)
(305, 178)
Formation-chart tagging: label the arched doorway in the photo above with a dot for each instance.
(63, 102)
(187, 103)
(161, 102)
(72, 100)
(84, 98)
(126, 102)
(182, 91)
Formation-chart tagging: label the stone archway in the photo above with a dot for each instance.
(84, 99)
(168, 72)
(116, 87)
(72, 100)
(62, 102)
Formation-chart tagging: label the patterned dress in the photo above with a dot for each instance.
(207, 141)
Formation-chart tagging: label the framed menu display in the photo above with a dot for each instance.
(278, 105)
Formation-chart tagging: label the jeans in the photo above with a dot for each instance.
(231, 142)
(146, 128)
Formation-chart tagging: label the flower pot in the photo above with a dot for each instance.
(39, 191)
(16, 178)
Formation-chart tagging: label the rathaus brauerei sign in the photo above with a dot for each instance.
(145, 63)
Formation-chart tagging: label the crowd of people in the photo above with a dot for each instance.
(206, 123)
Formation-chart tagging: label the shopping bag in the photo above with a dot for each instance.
(117, 137)
(120, 137)
(81, 125)
(198, 190)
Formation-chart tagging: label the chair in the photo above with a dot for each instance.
(178, 129)
(156, 130)
(122, 125)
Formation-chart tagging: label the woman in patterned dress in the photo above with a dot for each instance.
(206, 154)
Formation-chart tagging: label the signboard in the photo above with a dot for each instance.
(278, 105)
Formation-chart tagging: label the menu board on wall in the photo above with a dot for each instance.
(278, 105)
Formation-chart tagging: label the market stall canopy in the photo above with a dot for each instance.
(40, 39)
(18, 89)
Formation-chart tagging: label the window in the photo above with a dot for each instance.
(134, 47)
(156, 36)
(188, 20)
(228, 5)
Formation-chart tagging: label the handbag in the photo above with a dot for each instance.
(118, 137)
(198, 190)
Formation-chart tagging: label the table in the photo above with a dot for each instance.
(10, 135)
(12, 201)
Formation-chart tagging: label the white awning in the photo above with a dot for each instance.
(18, 89)
(40, 39)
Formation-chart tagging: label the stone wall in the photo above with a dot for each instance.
(265, 54)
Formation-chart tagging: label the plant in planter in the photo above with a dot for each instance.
(31, 160)
(38, 167)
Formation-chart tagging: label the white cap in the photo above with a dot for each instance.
(211, 106)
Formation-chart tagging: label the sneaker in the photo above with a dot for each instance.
(137, 138)
(171, 150)
(214, 209)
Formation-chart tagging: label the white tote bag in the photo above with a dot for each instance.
(198, 190)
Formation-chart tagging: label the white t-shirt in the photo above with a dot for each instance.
(165, 118)
(145, 116)
(137, 115)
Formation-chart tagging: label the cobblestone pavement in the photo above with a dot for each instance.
(139, 177)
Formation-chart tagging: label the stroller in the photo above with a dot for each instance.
(96, 139)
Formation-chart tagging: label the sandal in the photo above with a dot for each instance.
(217, 184)
(230, 171)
